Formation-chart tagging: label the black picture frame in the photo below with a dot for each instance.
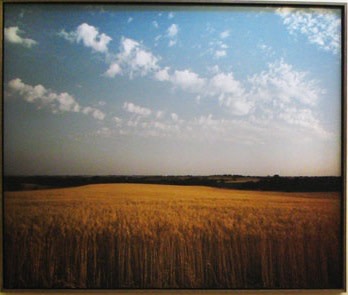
(14, 182)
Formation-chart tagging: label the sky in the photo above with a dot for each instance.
(171, 90)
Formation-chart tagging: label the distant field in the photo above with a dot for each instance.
(166, 236)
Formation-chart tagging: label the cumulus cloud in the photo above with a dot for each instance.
(162, 74)
(206, 120)
(89, 36)
(174, 117)
(230, 93)
(173, 30)
(12, 35)
(269, 93)
(159, 114)
(285, 94)
(224, 34)
(257, 105)
(135, 109)
(172, 43)
(218, 48)
(69, 36)
(117, 120)
(114, 69)
(220, 53)
(265, 49)
(283, 83)
(202, 128)
(301, 117)
(46, 98)
(226, 88)
(239, 106)
(225, 83)
(321, 27)
(264, 96)
(148, 123)
(95, 113)
(104, 131)
(134, 58)
(187, 80)
(172, 33)
(62, 102)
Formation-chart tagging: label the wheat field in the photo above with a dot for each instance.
(162, 236)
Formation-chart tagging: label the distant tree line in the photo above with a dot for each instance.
(269, 183)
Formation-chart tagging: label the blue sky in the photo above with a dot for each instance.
(171, 90)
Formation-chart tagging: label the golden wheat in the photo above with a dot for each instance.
(158, 236)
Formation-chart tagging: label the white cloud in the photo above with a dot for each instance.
(12, 35)
(172, 43)
(104, 131)
(263, 97)
(117, 120)
(66, 102)
(172, 33)
(135, 109)
(304, 118)
(46, 98)
(69, 36)
(89, 36)
(170, 15)
(240, 106)
(159, 125)
(224, 34)
(282, 83)
(282, 93)
(145, 122)
(43, 97)
(134, 59)
(206, 120)
(187, 80)
(214, 69)
(265, 49)
(301, 117)
(280, 86)
(174, 117)
(155, 24)
(113, 70)
(321, 27)
(95, 113)
(222, 83)
(162, 75)
(29, 93)
(218, 48)
(144, 60)
(220, 53)
(208, 128)
(127, 46)
(159, 114)
(173, 30)
(130, 19)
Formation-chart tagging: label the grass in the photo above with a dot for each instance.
(161, 236)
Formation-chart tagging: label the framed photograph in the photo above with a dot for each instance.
(151, 145)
